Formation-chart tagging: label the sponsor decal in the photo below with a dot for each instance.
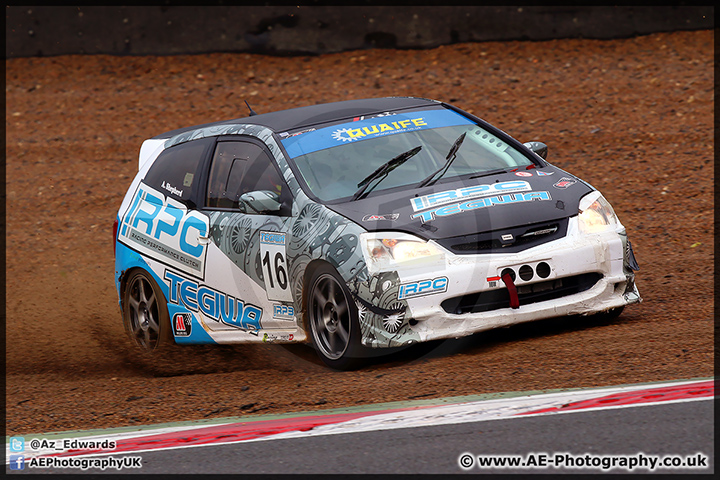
(352, 134)
(564, 182)
(166, 230)
(540, 173)
(274, 266)
(273, 337)
(466, 193)
(422, 287)
(216, 305)
(283, 311)
(471, 205)
(363, 117)
(182, 324)
(364, 129)
(544, 231)
(288, 135)
(523, 174)
(376, 218)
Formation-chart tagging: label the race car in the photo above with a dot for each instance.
(359, 224)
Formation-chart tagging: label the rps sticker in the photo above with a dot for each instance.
(284, 312)
(166, 230)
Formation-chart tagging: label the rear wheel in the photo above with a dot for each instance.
(333, 320)
(145, 313)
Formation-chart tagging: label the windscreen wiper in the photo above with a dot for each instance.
(448, 160)
(383, 172)
(491, 172)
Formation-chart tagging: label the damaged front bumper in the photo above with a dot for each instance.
(465, 294)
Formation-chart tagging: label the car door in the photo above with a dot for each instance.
(248, 204)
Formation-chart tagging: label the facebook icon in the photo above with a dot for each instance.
(17, 462)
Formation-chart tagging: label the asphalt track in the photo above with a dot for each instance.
(576, 431)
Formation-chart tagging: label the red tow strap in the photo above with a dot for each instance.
(514, 300)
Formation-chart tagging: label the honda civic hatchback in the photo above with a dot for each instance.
(358, 225)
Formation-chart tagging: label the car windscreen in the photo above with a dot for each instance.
(336, 161)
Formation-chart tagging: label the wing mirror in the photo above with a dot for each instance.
(262, 201)
(539, 148)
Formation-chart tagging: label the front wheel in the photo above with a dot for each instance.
(333, 320)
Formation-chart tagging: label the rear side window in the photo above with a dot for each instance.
(238, 168)
(175, 172)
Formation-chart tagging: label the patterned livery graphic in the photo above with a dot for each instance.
(164, 228)
(239, 237)
(275, 252)
(385, 329)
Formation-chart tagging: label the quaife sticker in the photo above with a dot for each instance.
(368, 128)
(164, 229)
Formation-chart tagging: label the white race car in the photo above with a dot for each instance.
(358, 224)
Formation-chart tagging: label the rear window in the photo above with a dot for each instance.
(175, 172)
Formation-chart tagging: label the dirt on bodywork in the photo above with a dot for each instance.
(634, 117)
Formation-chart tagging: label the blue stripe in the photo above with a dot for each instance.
(351, 132)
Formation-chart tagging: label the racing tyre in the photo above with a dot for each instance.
(145, 314)
(333, 320)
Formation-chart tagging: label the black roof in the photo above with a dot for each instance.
(293, 118)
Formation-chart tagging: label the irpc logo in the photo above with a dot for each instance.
(165, 229)
(423, 287)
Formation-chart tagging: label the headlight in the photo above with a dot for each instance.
(596, 214)
(389, 251)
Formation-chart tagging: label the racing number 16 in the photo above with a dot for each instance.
(280, 273)
(277, 280)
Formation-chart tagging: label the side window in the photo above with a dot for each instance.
(238, 168)
(175, 172)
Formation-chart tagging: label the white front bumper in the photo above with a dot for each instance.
(575, 254)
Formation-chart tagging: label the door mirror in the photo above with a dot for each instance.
(538, 147)
(261, 201)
